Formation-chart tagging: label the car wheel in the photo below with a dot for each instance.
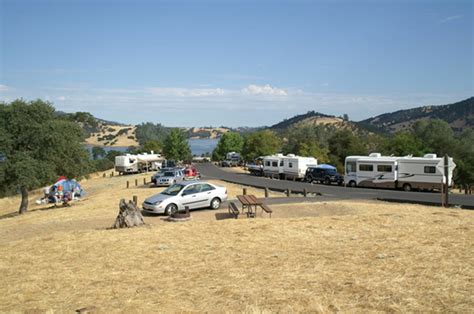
(352, 184)
(327, 181)
(215, 203)
(407, 187)
(171, 209)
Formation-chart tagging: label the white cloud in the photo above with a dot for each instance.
(4, 88)
(450, 18)
(62, 98)
(186, 92)
(264, 90)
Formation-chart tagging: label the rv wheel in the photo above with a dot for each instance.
(407, 187)
(352, 184)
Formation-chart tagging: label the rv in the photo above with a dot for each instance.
(421, 173)
(273, 165)
(294, 167)
(392, 172)
(138, 163)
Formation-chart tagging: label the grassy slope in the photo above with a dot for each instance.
(330, 256)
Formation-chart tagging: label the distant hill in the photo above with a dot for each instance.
(459, 115)
(312, 118)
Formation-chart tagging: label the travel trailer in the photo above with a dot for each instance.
(138, 163)
(294, 167)
(392, 172)
(287, 167)
(273, 165)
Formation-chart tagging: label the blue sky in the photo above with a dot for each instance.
(235, 63)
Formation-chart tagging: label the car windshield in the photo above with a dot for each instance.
(173, 190)
(168, 174)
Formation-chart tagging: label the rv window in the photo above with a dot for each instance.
(384, 168)
(350, 167)
(281, 163)
(366, 167)
(274, 164)
(290, 165)
(267, 163)
(430, 169)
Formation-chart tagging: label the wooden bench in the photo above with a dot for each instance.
(267, 209)
(233, 210)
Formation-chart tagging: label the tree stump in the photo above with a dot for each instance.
(129, 215)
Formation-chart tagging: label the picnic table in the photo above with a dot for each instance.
(248, 202)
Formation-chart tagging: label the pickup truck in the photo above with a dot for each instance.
(254, 169)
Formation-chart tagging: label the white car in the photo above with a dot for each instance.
(193, 194)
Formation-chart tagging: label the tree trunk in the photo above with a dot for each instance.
(24, 200)
(129, 215)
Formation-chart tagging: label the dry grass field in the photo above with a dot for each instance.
(311, 257)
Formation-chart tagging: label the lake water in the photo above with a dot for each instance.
(202, 146)
(198, 146)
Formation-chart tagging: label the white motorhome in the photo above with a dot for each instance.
(232, 156)
(393, 172)
(273, 165)
(294, 167)
(137, 163)
(421, 173)
(371, 171)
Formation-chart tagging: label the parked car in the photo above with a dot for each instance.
(191, 173)
(194, 194)
(326, 174)
(156, 177)
(170, 177)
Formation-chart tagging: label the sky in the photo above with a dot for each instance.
(235, 63)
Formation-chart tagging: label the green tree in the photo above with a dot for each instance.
(176, 146)
(39, 146)
(307, 141)
(149, 131)
(152, 145)
(111, 154)
(229, 142)
(464, 159)
(402, 144)
(342, 144)
(98, 152)
(260, 143)
(435, 135)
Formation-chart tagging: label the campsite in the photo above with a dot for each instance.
(240, 156)
(323, 256)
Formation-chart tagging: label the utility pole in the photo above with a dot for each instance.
(446, 182)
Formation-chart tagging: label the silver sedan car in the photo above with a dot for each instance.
(193, 194)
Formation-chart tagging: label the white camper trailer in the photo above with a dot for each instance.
(294, 167)
(394, 172)
(137, 163)
(273, 165)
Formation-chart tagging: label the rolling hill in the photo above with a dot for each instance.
(312, 118)
(459, 115)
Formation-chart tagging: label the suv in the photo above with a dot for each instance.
(325, 174)
(170, 177)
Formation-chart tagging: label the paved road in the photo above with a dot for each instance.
(209, 171)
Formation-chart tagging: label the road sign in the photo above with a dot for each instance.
(451, 166)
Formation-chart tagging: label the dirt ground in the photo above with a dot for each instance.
(311, 257)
